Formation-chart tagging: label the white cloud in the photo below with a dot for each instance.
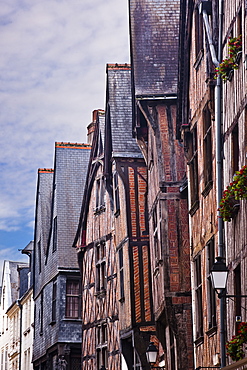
(52, 75)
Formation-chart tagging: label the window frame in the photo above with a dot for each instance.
(54, 301)
(100, 264)
(237, 292)
(99, 194)
(116, 194)
(101, 345)
(40, 254)
(156, 220)
(211, 297)
(73, 299)
(198, 32)
(41, 313)
(198, 300)
(121, 274)
(207, 150)
(2, 359)
(235, 149)
(193, 171)
(54, 235)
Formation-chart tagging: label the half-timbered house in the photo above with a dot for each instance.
(113, 246)
(154, 31)
(212, 123)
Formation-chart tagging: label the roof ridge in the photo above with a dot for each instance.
(63, 144)
(45, 170)
(124, 66)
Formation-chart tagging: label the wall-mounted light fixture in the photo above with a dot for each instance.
(219, 274)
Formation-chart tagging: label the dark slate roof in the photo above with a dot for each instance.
(71, 165)
(119, 111)
(154, 45)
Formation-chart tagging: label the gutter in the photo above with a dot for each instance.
(205, 8)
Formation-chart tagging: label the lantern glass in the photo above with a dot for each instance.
(151, 353)
(219, 279)
(219, 273)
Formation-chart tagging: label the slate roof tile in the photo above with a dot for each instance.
(154, 28)
(120, 104)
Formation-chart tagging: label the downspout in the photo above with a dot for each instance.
(219, 169)
(20, 306)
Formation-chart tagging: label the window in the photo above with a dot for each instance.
(121, 274)
(2, 363)
(198, 293)
(29, 313)
(54, 301)
(25, 360)
(100, 267)
(239, 22)
(6, 358)
(99, 194)
(235, 149)
(237, 292)
(156, 222)
(54, 245)
(193, 171)
(28, 359)
(3, 297)
(207, 147)
(41, 313)
(73, 299)
(39, 252)
(101, 343)
(198, 31)
(35, 318)
(210, 290)
(14, 328)
(116, 194)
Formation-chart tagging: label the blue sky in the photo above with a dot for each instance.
(52, 76)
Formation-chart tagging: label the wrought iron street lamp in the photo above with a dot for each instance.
(219, 274)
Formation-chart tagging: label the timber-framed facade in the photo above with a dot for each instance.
(154, 125)
(113, 245)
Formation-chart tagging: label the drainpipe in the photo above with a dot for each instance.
(205, 5)
(20, 306)
(219, 171)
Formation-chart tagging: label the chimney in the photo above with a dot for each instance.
(91, 127)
